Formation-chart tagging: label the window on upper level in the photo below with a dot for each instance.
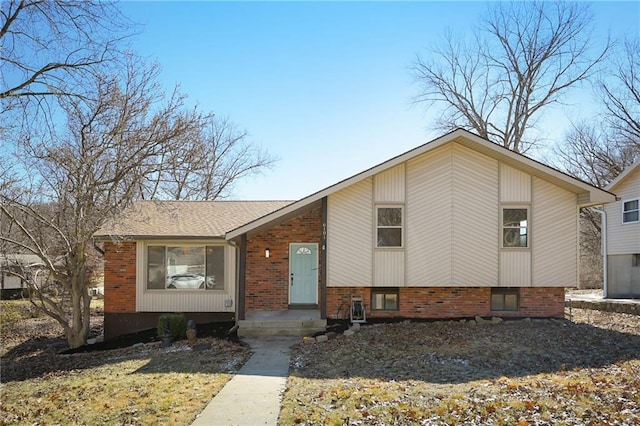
(631, 211)
(185, 267)
(515, 227)
(389, 226)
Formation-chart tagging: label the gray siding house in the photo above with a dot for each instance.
(623, 235)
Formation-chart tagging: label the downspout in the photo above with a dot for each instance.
(605, 260)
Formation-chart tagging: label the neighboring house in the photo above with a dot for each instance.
(455, 228)
(623, 235)
(13, 269)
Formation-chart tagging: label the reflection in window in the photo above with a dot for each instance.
(185, 267)
(515, 227)
(631, 211)
(505, 299)
(385, 299)
(389, 227)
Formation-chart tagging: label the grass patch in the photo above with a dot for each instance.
(143, 386)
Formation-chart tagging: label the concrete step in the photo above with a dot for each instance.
(301, 328)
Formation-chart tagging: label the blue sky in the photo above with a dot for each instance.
(323, 86)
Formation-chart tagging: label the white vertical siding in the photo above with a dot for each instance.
(554, 235)
(623, 239)
(515, 268)
(350, 236)
(389, 186)
(389, 268)
(388, 265)
(428, 215)
(514, 264)
(475, 218)
(185, 300)
(515, 185)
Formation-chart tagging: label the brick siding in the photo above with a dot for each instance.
(448, 302)
(267, 279)
(120, 277)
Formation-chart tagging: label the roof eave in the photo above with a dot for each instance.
(590, 194)
(622, 176)
(158, 237)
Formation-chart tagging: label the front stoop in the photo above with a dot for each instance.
(299, 323)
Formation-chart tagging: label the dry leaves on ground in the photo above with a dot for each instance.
(516, 372)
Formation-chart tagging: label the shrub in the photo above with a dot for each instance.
(177, 326)
(9, 315)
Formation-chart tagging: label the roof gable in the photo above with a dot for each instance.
(588, 195)
(622, 177)
(186, 219)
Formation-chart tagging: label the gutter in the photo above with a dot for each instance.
(605, 260)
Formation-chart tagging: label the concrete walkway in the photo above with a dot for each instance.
(253, 395)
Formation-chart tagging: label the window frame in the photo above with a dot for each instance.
(504, 291)
(378, 227)
(173, 244)
(527, 227)
(636, 210)
(385, 291)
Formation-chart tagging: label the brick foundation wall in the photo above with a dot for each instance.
(120, 277)
(267, 279)
(448, 302)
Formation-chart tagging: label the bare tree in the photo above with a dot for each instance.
(114, 150)
(208, 163)
(620, 94)
(49, 48)
(525, 56)
(599, 150)
(594, 154)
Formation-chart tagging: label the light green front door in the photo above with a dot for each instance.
(303, 273)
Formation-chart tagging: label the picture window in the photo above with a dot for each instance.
(185, 267)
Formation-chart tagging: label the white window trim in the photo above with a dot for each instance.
(376, 227)
(180, 243)
(502, 227)
(630, 211)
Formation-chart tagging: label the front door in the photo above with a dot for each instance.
(303, 273)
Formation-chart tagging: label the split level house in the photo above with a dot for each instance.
(455, 228)
(623, 235)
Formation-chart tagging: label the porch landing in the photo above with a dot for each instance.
(292, 322)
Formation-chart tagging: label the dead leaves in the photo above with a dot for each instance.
(515, 373)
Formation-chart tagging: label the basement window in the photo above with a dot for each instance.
(635, 260)
(505, 299)
(185, 267)
(385, 299)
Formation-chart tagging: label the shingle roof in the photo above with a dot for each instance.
(186, 219)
